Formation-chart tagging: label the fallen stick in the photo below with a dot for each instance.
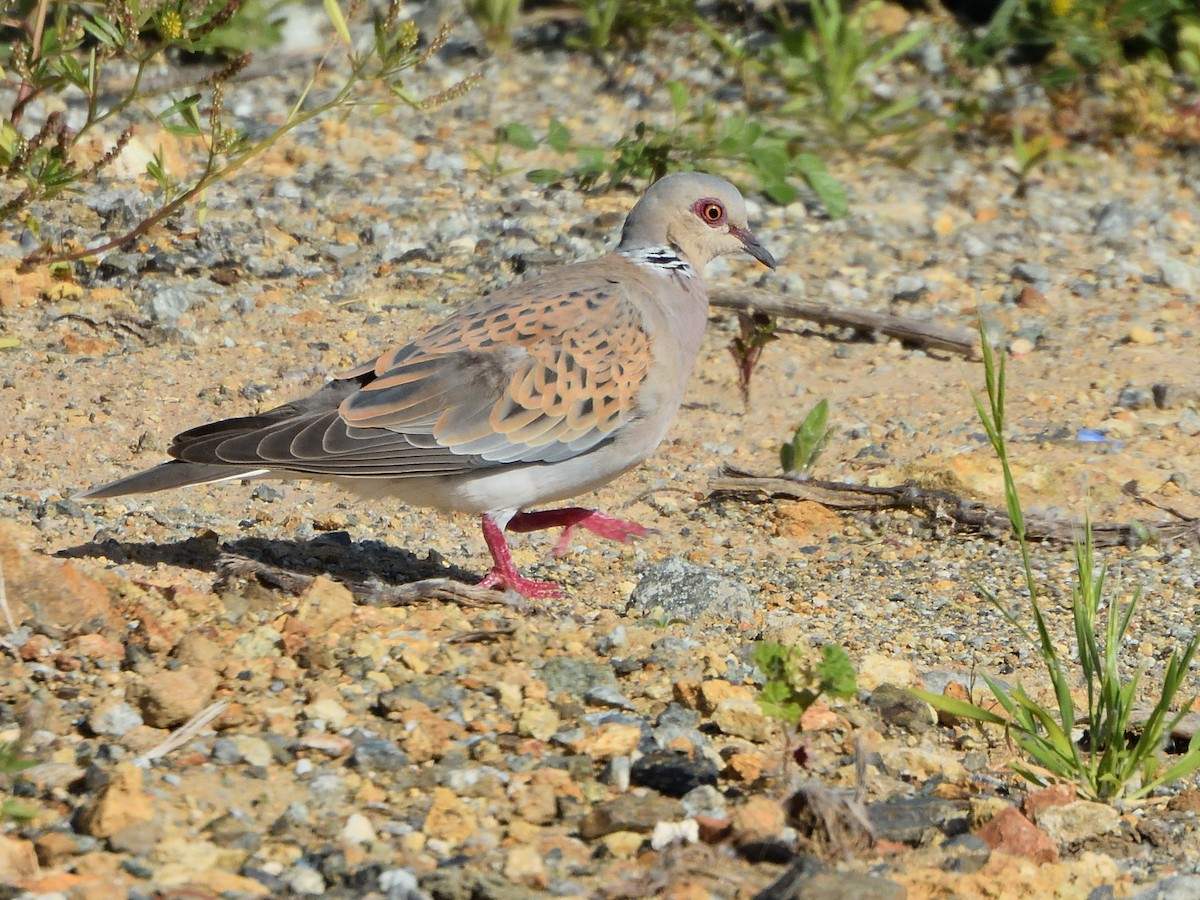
(941, 505)
(921, 332)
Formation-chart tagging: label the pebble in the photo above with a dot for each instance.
(680, 591)
(673, 773)
(114, 720)
(358, 829)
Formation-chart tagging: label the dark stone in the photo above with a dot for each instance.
(672, 773)
(898, 707)
(906, 819)
(965, 853)
(629, 813)
(808, 879)
(379, 755)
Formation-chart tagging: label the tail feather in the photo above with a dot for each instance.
(169, 475)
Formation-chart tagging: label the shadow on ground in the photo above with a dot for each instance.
(332, 554)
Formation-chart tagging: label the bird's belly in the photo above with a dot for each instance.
(504, 488)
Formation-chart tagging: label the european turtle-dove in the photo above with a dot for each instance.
(542, 391)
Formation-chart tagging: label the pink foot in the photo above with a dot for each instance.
(573, 518)
(504, 574)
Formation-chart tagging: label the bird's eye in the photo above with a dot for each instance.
(711, 211)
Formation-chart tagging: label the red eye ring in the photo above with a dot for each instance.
(711, 212)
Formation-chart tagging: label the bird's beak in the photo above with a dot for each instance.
(752, 246)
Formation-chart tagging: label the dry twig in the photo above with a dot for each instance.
(929, 335)
(941, 506)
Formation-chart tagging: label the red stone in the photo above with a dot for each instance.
(1010, 832)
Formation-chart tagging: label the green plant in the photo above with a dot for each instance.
(808, 442)
(829, 69)
(1070, 38)
(793, 682)
(495, 19)
(68, 49)
(628, 22)
(699, 139)
(755, 331)
(1108, 764)
(12, 763)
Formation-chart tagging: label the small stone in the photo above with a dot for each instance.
(53, 848)
(1134, 398)
(253, 750)
(1115, 220)
(138, 839)
(449, 819)
(909, 288)
(358, 829)
(18, 861)
(329, 710)
(744, 719)
(121, 803)
(665, 834)
(906, 819)
(1177, 887)
(538, 720)
(1176, 275)
(114, 720)
(683, 592)
(324, 602)
(759, 819)
(673, 774)
(623, 844)
(1020, 346)
(575, 677)
(902, 709)
(194, 649)
(307, 882)
(1055, 795)
(379, 755)
(1010, 832)
(1077, 821)
(629, 813)
(1140, 334)
(921, 764)
(1031, 272)
(169, 698)
(965, 854)
(525, 866)
(875, 669)
(169, 304)
(704, 800)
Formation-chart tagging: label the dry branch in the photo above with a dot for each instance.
(941, 506)
(372, 592)
(923, 333)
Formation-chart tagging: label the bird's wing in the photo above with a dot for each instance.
(535, 374)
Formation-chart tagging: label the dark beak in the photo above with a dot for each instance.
(753, 247)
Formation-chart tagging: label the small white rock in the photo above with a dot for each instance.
(665, 834)
(358, 830)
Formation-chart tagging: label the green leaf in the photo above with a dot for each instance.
(544, 176)
(827, 188)
(679, 97)
(836, 672)
(338, 21)
(519, 136)
(964, 709)
(8, 343)
(558, 137)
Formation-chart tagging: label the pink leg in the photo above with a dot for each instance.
(504, 574)
(574, 517)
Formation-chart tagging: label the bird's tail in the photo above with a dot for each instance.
(173, 474)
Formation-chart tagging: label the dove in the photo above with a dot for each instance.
(537, 393)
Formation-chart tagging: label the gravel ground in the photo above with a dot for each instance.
(605, 744)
